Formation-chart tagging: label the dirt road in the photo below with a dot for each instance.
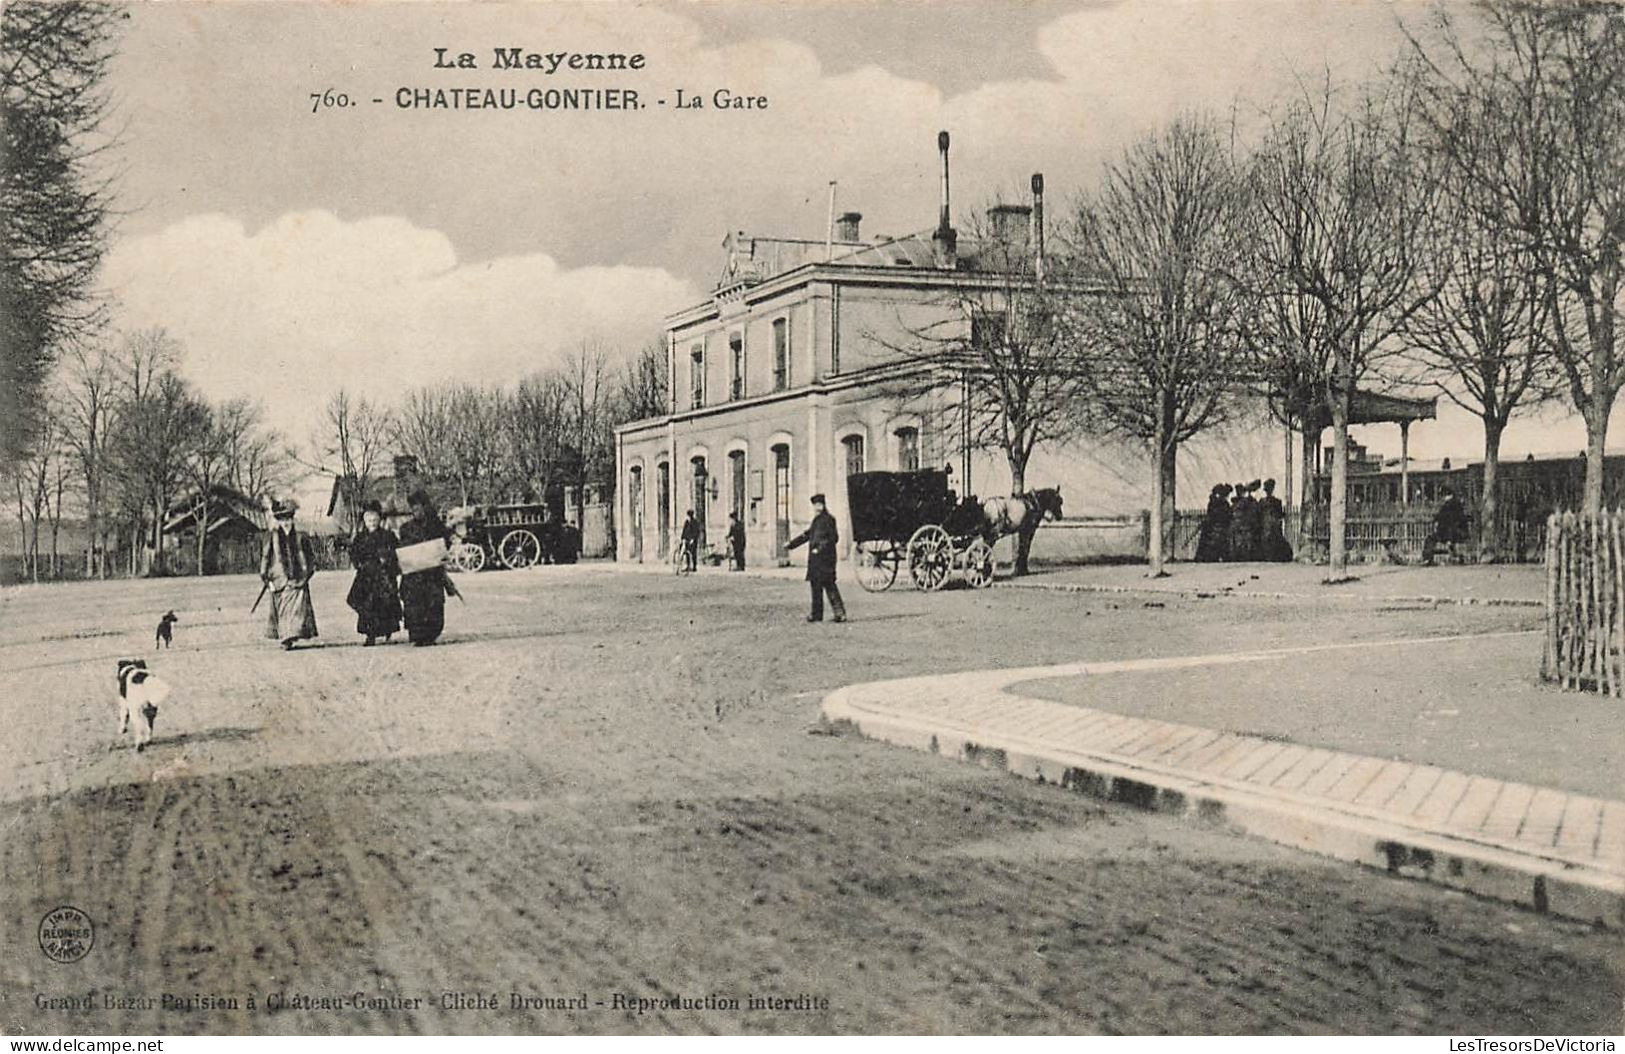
(614, 789)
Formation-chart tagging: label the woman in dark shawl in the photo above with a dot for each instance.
(423, 593)
(373, 594)
(1213, 543)
(1272, 526)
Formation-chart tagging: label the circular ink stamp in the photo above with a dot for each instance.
(66, 934)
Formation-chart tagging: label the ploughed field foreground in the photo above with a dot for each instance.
(613, 790)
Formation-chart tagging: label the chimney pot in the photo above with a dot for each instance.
(846, 228)
(1037, 236)
(945, 239)
(1008, 223)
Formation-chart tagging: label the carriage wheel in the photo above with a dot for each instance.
(979, 564)
(876, 564)
(467, 556)
(519, 549)
(930, 558)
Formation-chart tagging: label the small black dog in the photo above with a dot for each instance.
(166, 632)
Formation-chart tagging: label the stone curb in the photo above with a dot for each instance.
(1545, 884)
(1258, 594)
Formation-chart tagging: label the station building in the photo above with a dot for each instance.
(803, 366)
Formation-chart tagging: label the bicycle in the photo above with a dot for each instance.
(681, 564)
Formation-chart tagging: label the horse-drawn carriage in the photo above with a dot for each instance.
(913, 518)
(514, 536)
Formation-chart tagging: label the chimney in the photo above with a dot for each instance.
(846, 228)
(945, 238)
(1008, 226)
(1037, 236)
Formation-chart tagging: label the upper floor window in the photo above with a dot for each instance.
(736, 367)
(781, 354)
(908, 449)
(696, 375)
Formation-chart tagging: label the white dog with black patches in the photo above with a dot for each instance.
(139, 692)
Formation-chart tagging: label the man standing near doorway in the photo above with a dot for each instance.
(736, 541)
(691, 542)
(820, 539)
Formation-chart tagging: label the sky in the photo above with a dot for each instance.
(376, 247)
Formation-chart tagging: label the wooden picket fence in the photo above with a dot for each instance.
(1585, 602)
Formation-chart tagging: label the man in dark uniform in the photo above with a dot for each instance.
(820, 539)
(691, 542)
(736, 541)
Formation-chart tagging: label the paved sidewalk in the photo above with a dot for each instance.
(1546, 848)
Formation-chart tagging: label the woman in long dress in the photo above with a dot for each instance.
(423, 593)
(1272, 526)
(374, 594)
(286, 564)
(1213, 542)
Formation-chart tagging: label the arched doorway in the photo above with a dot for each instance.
(781, 500)
(700, 478)
(663, 514)
(634, 513)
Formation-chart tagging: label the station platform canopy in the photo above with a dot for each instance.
(1370, 408)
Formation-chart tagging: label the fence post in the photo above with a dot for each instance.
(1548, 655)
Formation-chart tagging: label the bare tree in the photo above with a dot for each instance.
(204, 467)
(589, 445)
(996, 357)
(88, 389)
(643, 388)
(151, 441)
(1485, 336)
(534, 432)
(1342, 202)
(52, 207)
(258, 462)
(1532, 115)
(1158, 341)
(351, 444)
(31, 487)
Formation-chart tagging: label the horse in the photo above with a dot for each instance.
(1020, 515)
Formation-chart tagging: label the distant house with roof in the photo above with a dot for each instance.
(230, 523)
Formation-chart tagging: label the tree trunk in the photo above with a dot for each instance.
(202, 536)
(1596, 435)
(1306, 491)
(1018, 476)
(33, 548)
(1170, 513)
(1337, 547)
(1489, 533)
(1153, 536)
(91, 524)
(1018, 486)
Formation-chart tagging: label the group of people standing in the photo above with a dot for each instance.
(383, 598)
(1240, 527)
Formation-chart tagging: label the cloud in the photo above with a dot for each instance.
(310, 303)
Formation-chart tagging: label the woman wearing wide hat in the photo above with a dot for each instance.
(286, 564)
(374, 594)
